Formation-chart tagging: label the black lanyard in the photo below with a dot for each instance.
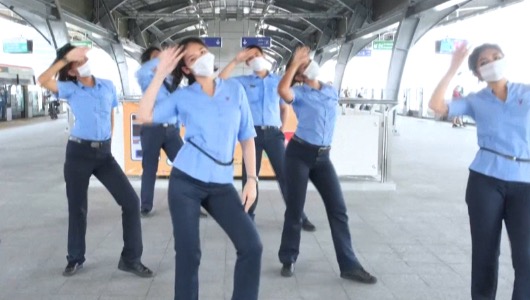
(211, 157)
(506, 156)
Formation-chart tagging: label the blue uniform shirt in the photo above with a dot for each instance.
(501, 126)
(144, 76)
(316, 111)
(263, 98)
(91, 106)
(213, 123)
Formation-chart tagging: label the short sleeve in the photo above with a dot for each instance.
(297, 92)
(246, 125)
(460, 107)
(146, 73)
(166, 109)
(65, 89)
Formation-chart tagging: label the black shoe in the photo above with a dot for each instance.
(308, 226)
(72, 268)
(203, 214)
(145, 212)
(287, 270)
(359, 275)
(136, 268)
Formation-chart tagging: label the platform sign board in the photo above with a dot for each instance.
(364, 53)
(132, 150)
(213, 41)
(18, 46)
(262, 41)
(382, 45)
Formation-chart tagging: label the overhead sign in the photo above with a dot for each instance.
(87, 44)
(364, 53)
(447, 46)
(18, 46)
(213, 41)
(382, 45)
(262, 41)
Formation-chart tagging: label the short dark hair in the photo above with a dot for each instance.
(63, 73)
(473, 58)
(255, 47)
(146, 55)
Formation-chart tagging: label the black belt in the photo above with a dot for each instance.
(514, 158)
(211, 157)
(93, 144)
(266, 127)
(165, 125)
(316, 147)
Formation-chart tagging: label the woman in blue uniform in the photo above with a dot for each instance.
(498, 187)
(88, 153)
(269, 113)
(155, 136)
(307, 158)
(217, 115)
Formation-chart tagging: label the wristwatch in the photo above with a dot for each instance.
(253, 177)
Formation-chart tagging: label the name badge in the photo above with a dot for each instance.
(252, 86)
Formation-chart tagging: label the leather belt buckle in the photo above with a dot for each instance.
(95, 144)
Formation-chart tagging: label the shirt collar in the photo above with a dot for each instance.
(97, 83)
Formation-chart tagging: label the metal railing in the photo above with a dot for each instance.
(388, 108)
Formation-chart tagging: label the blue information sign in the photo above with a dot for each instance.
(18, 46)
(213, 41)
(262, 41)
(364, 52)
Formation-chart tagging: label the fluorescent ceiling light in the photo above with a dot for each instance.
(448, 4)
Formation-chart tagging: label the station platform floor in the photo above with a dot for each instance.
(415, 239)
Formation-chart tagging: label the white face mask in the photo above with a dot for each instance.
(494, 71)
(84, 70)
(259, 64)
(204, 65)
(312, 71)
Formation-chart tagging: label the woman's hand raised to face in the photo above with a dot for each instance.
(78, 54)
(243, 55)
(169, 58)
(301, 56)
(459, 55)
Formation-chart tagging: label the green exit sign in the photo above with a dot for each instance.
(383, 45)
(18, 46)
(87, 44)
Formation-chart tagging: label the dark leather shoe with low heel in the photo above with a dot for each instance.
(72, 268)
(359, 275)
(136, 268)
(308, 226)
(287, 270)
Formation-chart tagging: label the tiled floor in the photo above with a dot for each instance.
(415, 239)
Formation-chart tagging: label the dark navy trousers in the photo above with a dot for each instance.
(304, 162)
(83, 161)
(186, 196)
(490, 201)
(154, 138)
(272, 141)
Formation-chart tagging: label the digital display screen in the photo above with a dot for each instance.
(448, 46)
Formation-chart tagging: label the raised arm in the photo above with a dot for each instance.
(169, 59)
(242, 56)
(301, 57)
(437, 102)
(47, 79)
